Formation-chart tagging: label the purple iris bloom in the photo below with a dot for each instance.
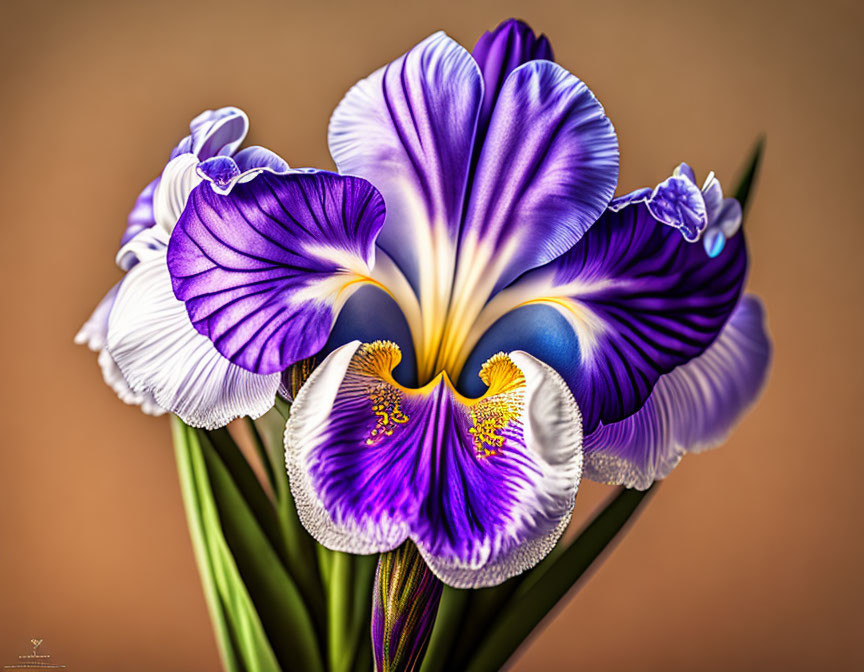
(148, 350)
(476, 304)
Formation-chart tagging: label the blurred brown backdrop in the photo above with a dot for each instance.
(749, 557)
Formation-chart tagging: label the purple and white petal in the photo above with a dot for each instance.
(546, 172)
(641, 301)
(265, 270)
(214, 133)
(499, 52)
(729, 219)
(409, 129)
(178, 180)
(484, 487)
(692, 408)
(149, 243)
(685, 171)
(159, 352)
(94, 332)
(678, 203)
(260, 157)
(223, 172)
(712, 194)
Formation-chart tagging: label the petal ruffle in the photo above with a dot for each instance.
(160, 353)
(113, 377)
(409, 129)
(692, 408)
(214, 133)
(641, 301)
(265, 270)
(484, 487)
(94, 334)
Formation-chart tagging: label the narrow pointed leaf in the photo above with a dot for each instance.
(195, 521)
(445, 633)
(243, 631)
(274, 594)
(534, 599)
(750, 175)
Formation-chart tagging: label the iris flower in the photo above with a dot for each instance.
(487, 324)
(152, 356)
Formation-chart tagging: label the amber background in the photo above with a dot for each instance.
(749, 557)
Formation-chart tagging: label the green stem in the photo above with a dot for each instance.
(339, 612)
(199, 546)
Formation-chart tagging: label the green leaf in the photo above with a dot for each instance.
(549, 582)
(298, 547)
(361, 609)
(200, 546)
(273, 593)
(240, 633)
(448, 622)
(749, 175)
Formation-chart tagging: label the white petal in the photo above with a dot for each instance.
(115, 380)
(158, 350)
(179, 178)
(146, 244)
(95, 330)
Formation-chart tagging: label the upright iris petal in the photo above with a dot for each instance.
(543, 173)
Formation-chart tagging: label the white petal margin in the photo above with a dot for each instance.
(94, 332)
(305, 431)
(552, 427)
(692, 408)
(552, 433)
(179, 178)
(158, 351)
(114, 379)
(94, 335)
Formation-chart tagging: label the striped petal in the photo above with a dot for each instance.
(692, 408)
(484, 487)
(159, 353)
(640, 300)
(265, 269)
(547, 170)
(409, 129)
(94, 334)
